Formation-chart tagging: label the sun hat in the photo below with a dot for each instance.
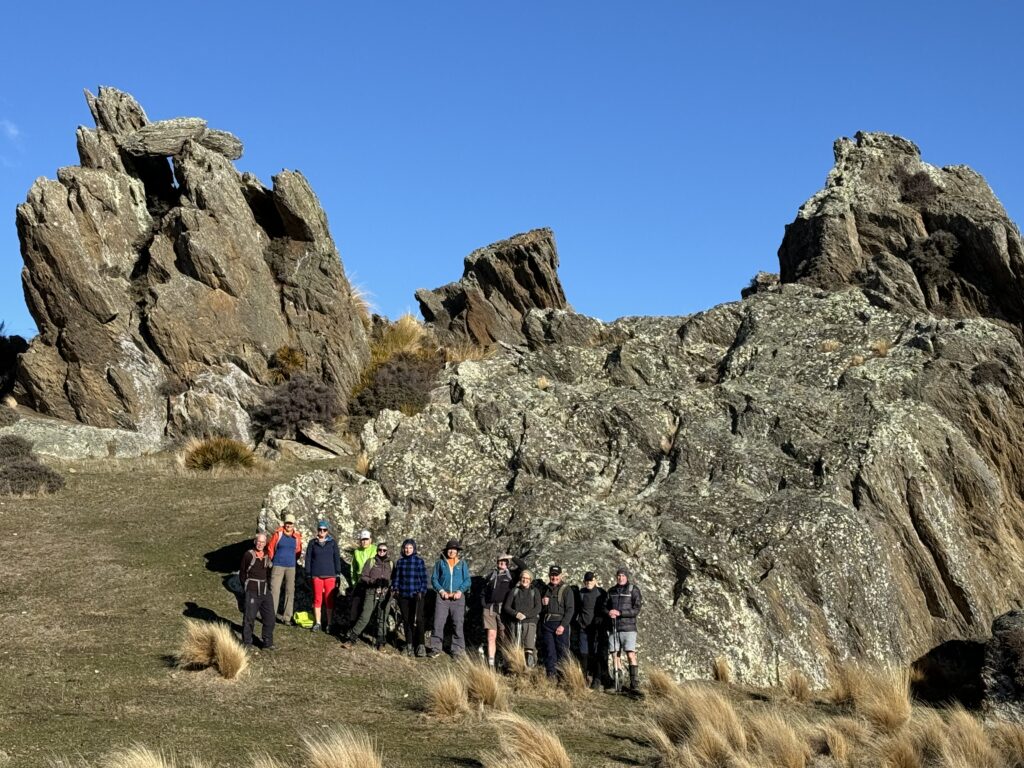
(453, 544)
(289, 518)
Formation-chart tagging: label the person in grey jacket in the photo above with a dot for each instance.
(623, 605)
(559, 605)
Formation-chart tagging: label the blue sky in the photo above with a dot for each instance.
(666, 143)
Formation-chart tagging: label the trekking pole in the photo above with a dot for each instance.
(382, 616)
(616, 655)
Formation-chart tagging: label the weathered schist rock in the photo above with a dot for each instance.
(800, 478)
(499, 285)
(931, 238)
(162, 281)
(1003, 672)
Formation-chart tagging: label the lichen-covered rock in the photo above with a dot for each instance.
(73, 442)
(1003, 672)
(163, 281)
(931, 238)
(500, 284)
(795, 479)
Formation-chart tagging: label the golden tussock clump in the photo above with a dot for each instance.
(660, 684)
(829, 345)
(514, 656)
(468, 352)
(880, 347)
(363, 464)
(447, 696)
(212, 644)
(484, 686)
(216, 453)
(856, 360)
(721, 670)
(572, 679)
(694, 706)
(344, 748)
(405, 336)
(525, 744)
(138, 757)
(798, 687)
(882, 697)
(360, 298)
(543, 382)
(772, 736)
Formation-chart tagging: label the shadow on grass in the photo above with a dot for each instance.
(195, 611)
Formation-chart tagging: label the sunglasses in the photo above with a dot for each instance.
(321, 530)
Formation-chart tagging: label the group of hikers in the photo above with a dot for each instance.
(514, 605)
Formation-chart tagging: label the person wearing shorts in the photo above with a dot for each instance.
(496, 588)
(323, 568)
(623, 606)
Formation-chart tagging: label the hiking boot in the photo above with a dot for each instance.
(407, 651)
(315, 628)
(595, 683)
(634, 678)
(270, 647)
(348, 640)
(432, 654)
(421, 651)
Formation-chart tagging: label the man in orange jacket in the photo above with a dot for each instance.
(284, 549)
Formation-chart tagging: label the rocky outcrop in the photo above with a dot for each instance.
(796, 479)
(1003, 671)
(499, 285)
(162, 281)
(930, 238)
(73, 442)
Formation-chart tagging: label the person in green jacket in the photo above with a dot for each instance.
(361, 555)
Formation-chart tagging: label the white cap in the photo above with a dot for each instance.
(364, 534)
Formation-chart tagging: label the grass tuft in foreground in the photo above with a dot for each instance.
(217, 453)
(212, 644)
(345, 748)
(525, 744)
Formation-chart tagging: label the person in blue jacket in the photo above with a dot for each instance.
(323, 568)
(451, 580)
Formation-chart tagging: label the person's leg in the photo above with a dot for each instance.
(318, 597)
(266, 606)
(289, 594)
(562, 643)
(458, 614)
(369, 603)
(549, 648)
(328, 601)
(276, 577)
(249, 617)
(405, 610)
(634, 669)
(440, 617)
(419, 625)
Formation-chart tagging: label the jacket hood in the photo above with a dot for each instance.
(414, 550)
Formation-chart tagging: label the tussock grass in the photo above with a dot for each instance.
(216, 452)
(798, 687)
(344, 748)
(525, 744)
(835, 744)
(137, 756)
(882, 697)
(856, 360)
(484, 686)
(1008, 739)
(447, 696)
(880, 347)
(514, 656)
(264, 761)
(363, 464)
(543, 382)
(360, 298)
(572, 679)
(406, 335)
(690, 707)
(720, 667)
(660, 684)
(774, 739)
(468, 352)
(829, 345)
(212, 644)
(967, 742)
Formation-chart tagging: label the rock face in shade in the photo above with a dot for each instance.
(930, 238)
(162, 280)
(796, 479)
(499, 285)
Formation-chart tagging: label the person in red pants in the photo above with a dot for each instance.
(323, 568)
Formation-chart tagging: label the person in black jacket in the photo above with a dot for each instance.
(556, 617)
(623, 606)
(323, 569)
(522, 609)
(497, 585)
(591, 620)
(254, 573)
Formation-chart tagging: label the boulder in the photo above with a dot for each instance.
(930, 238)
(162, 281)
(73, 442)
(1003, 672)
(500, 284)
(797, 479)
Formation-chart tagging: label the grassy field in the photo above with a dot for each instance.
(95, 584)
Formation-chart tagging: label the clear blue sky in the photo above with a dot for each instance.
(666, 143)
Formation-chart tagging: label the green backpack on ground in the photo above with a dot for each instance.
(303, 619)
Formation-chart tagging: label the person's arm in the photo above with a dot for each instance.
(354, 570)
(422, 578)
(243, 569)
(272, 544)
(568, 608)
(635, 602)
(506, 607)
(465, 581)
(337, 562)
(436, 576)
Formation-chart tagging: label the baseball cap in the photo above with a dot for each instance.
(555, 570)
(364, 534)
(588, 576)
(289, 518)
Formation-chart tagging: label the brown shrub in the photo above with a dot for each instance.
(25, 476)
(217, 452)
(294, 404)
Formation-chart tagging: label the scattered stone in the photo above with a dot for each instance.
(499, 285)
(759, 283)
(303, 451)
(328, 441)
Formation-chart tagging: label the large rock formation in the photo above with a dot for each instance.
(931, 238)
(795, 479)
(163, 281)
(499, 285)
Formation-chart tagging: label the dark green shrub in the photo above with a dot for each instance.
(24, 475)
(14, 447)
(403, 383)
(296, 403)
(932, 258)
(10, 348)
(917, 188)
(218, 452)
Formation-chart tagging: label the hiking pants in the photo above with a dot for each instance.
(456, 611)
(556, 647)
(370, 603)
(279, 575)
(262, 606)
(594, 650)
(412, 619)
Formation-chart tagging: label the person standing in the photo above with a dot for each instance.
(623, 604)
(451, 580)
(409, 585)
(376, 581)
(285, 549)
(253, 573)
(556, 617)
(361, 554)
(496, 588)
(591, 621)
(323, 567)
(522, 609)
